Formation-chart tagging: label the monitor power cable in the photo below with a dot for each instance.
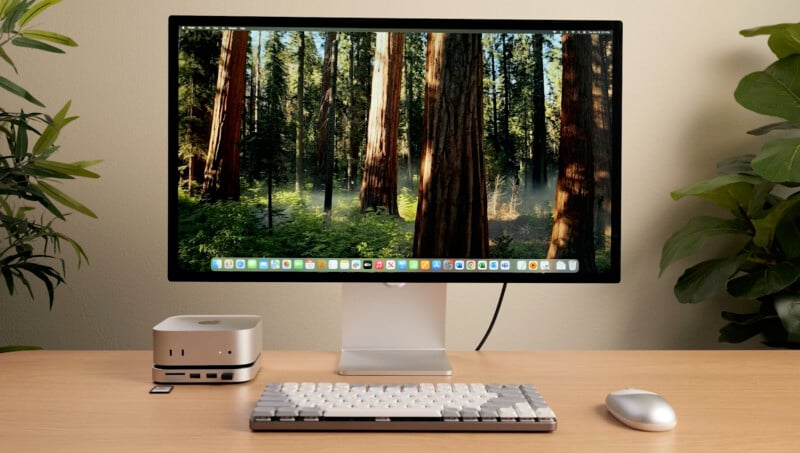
(494, 317)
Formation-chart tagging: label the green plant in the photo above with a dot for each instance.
(760, 193)
(30, 246)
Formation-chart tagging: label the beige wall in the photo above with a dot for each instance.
(682, 60)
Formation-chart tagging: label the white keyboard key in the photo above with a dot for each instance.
(507, 413)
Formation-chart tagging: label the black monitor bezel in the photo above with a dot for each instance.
(175, 273)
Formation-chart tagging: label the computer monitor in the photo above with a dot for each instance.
(394, 156)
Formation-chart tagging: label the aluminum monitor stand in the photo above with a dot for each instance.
(394, 329)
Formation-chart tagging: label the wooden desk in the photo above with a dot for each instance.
(99, 401)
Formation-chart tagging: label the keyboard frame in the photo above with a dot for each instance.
(273, 422)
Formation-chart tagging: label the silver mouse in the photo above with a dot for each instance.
(641, 409)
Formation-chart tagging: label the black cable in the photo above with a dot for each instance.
(494, 317)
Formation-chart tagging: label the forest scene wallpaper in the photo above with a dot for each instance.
(356, 144)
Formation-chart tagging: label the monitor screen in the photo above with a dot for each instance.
(394, 150)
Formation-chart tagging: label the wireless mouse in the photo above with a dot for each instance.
(640, 409)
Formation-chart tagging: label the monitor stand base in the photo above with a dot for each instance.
(395, 363)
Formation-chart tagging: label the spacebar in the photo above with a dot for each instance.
(382, 412)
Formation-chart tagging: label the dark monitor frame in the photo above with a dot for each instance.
(479, 25)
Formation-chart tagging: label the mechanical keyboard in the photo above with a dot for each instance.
(309, 406)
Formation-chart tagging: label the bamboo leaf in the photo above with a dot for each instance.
(65, 199)
(35, 10)
(74, 169)
(43, 35)
(14, 10)
(50, 133)
(19, 91)
(8, 59)
(34, 44)
(21, 142)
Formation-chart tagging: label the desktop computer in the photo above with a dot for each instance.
(395, 156)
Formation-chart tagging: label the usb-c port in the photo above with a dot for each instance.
(211, 375)
(194, 375)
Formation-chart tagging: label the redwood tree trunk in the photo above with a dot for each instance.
(379, 185)
(573, 230)
(222, 163)
(323, 119)
(451, 213)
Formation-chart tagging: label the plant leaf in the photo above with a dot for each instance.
(763, 30)
(19, 91)
(731, 192)
(44, 35)
(774, 91)
(765, 227)
(737, 164)
(50, 133)
(706, 279)
(786, 41)
(35, 10)
(767, 281)
(65, 199)
(692, 237)
(786, 233)
(34, 44)
(67, 170)
(781, 126)
(779, 161)
(8, 59)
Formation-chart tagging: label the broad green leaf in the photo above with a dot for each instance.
(74, 169)
(736, 164)
(764, 30)
(774, 91)
(731, 192)
(779, 161)
(706, 279)
(33, 44)
(765, 281)
(65, 199)
(19, 91)
(788, 309)
(787, 234)
(693, 236)
(765, 227)
(786, 41)
(35, 10)
(43, 35)
(781, 126)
